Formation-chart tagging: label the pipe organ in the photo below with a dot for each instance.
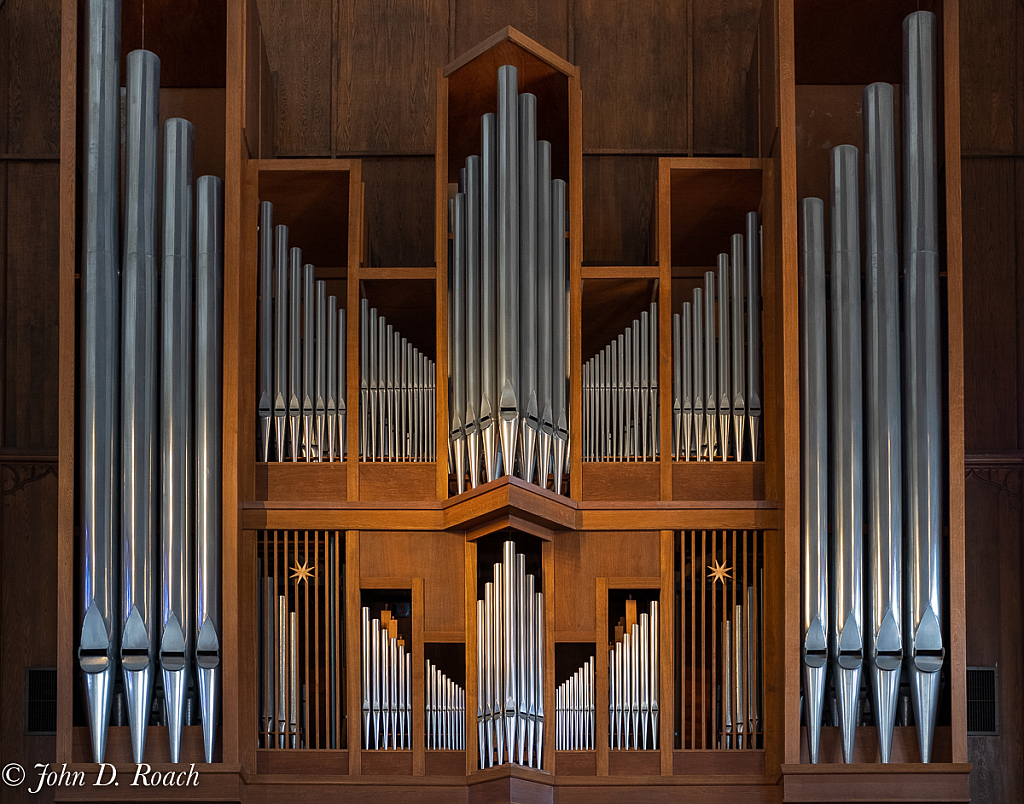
(150, 409)
(675, 501)
(716, 367)
(507, 303)
(875, 606)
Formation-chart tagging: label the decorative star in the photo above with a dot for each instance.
(719, 572)
(303, 572)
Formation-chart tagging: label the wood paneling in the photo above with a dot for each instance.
(28, 556)
(30, 315)
(300, 49)
(989, 75)
(545, 23)
(992, 385)
(618, 204)
(30, 69)
(582, 558)
(388, 54)
(723, 39)
(633, 71)
(400, 211)
(994, 526)
(435, 557)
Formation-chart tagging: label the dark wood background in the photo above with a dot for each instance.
(658, 78)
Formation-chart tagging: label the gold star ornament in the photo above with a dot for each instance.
(303, 572)
(719, 572)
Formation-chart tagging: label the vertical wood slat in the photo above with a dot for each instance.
(666, 650)
(574, 190)
(664, 220)
(602, 725)
(352, 401)
(441, 284)
(353, 678)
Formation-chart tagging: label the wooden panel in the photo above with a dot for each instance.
(709, 205)
(28, 603)
(994, 577)
(621, 481)
(723, 38)
(312, 482)
(444, 763)
(633, 70)
(30, 330)
(187, 35)
(435, 557)
(717, 481)
(545, 23)
(30, 73)
(388, 56)
(396, 481)
(618, 204)
(865, 750)
(322, 763)
(991, 383)
(387, 763)
(400, 211)
(609, 307)
(989, 45)
(576, 763)
(299, 51)
(581, 558)
(634, 763)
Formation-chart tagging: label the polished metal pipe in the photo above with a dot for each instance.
(138, 395)
(264, 403)
(387, 367)
(294, 348)
(431, 707)
(846, 634)
(923, 369)
(282, 670)
(538, 695)
(489, 390)
(753, 669)
(365, 401)
(365, 667)
(309, 361)
(529, 414)
(511, 641)
(386, 704)
(653, 361)
(508, 263)
(293, 680)
(723, 350)
(655, 642)
(530, 658)
(739, 385)
(814, 448)
(320, 369)
(884, 466)
(644, 679)
(627, 688)
(487, 689)
(752, 241)
(269, 659)
(177, 524)
(739, 675)
(521, 652)
(331, 390)
(687, 396)
(480, 693)
(621, 397)
(498, 707)
(98, 464)
(208, 437)
(699, 398)
(373, 384)
(545, 319)
(710, 378)
(726, 685)
(473, 277)
(376, 638)
(457, 343)
(281, 311)
(559, 333)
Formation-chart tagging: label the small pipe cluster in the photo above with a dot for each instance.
(446, 711)
(386, 684)
(574, 710)
(633, 675)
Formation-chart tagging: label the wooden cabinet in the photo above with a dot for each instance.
(645, 529)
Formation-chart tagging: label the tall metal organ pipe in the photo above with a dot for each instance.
(177, 521)
(846, 632)
(99, 455)
(139, 468)
(884, 467)
(814, 454)
(208, 409)
(923, 369)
